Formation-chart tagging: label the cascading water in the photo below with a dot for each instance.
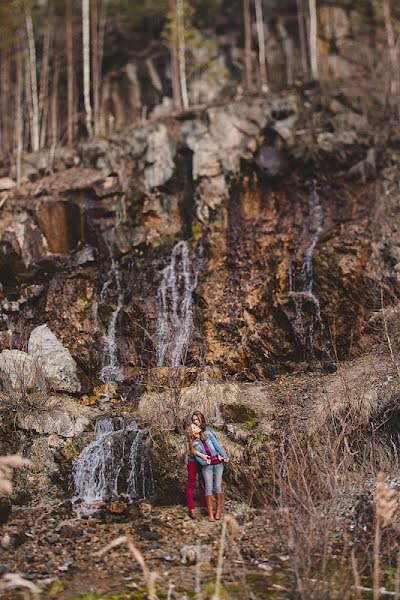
(110, 371)
(96, 470)
(306, 296)
(114, 461)
(175, 298)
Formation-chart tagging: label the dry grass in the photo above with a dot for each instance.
(7, 466)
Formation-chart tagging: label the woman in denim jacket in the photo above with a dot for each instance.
(206, 442)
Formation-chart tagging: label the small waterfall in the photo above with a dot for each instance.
(97, 469)
(175, 298)
(110, 371)
(115, 461)
(306, 295)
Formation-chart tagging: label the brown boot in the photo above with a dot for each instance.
(218, 496)
(192, 514)
(209, 504)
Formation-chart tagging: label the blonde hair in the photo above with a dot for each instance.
(191, 438)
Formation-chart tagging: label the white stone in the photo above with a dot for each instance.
(58, 365)
(6, 183)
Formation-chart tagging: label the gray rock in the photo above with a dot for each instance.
(57, 363)
(84, 256)
(60, 415)
(191, 554)
(160, 157)
(20, 371)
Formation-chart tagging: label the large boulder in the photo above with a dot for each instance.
(58, 365)
(20, 371)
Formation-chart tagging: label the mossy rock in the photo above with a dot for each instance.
(239, 413)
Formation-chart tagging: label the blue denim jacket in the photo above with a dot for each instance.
(213, 444)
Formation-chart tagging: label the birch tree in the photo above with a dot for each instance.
(393, 53)
(70, 72)
(34, 104)
(261, 46)
(86, 64)
(313, 38)
(18, 110)
(302, 37)
(171, 37)
(180, 21)
(247, 44)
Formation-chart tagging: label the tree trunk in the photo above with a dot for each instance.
(394, 66)
(70, 72)
(44, 86)
(5, 105)
(313, 38)
(86, 64)
(176, 88)
(248, 76)
(18, 111)
(95, 65)
(302, 37)
(54, 109)
(287, 44)
(180, 19)
(261, 46)
(35, 139)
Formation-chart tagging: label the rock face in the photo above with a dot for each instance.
(58, 365)
(273, 199)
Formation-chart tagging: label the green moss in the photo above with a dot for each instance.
(71, 451)
(197, 231)
(239, 413)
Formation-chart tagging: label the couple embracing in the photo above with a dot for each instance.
(206, 458)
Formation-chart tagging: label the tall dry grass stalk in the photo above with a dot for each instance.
(386, 505)
(7, 466)
(150, 577)
(229, 526)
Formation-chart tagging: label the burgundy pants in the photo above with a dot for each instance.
(194, 470)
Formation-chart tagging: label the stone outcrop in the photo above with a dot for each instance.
(56, 361)
(58, 415)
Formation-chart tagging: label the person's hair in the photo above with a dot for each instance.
(203, 422)
(190, 439)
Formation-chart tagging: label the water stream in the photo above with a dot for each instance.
(114, 461)
(305, 299)
(175, 299)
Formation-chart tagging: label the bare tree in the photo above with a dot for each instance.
(95, 64)
(5, 78)
(86, 64)
(180, 20)
(302, 36)
(70, 72)
(393, 55)
(173, 47)
(287, 44)
(247, 44)
(34, 104)
(44, 84)
(261, 45)
(313, 38)
(19, 123)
